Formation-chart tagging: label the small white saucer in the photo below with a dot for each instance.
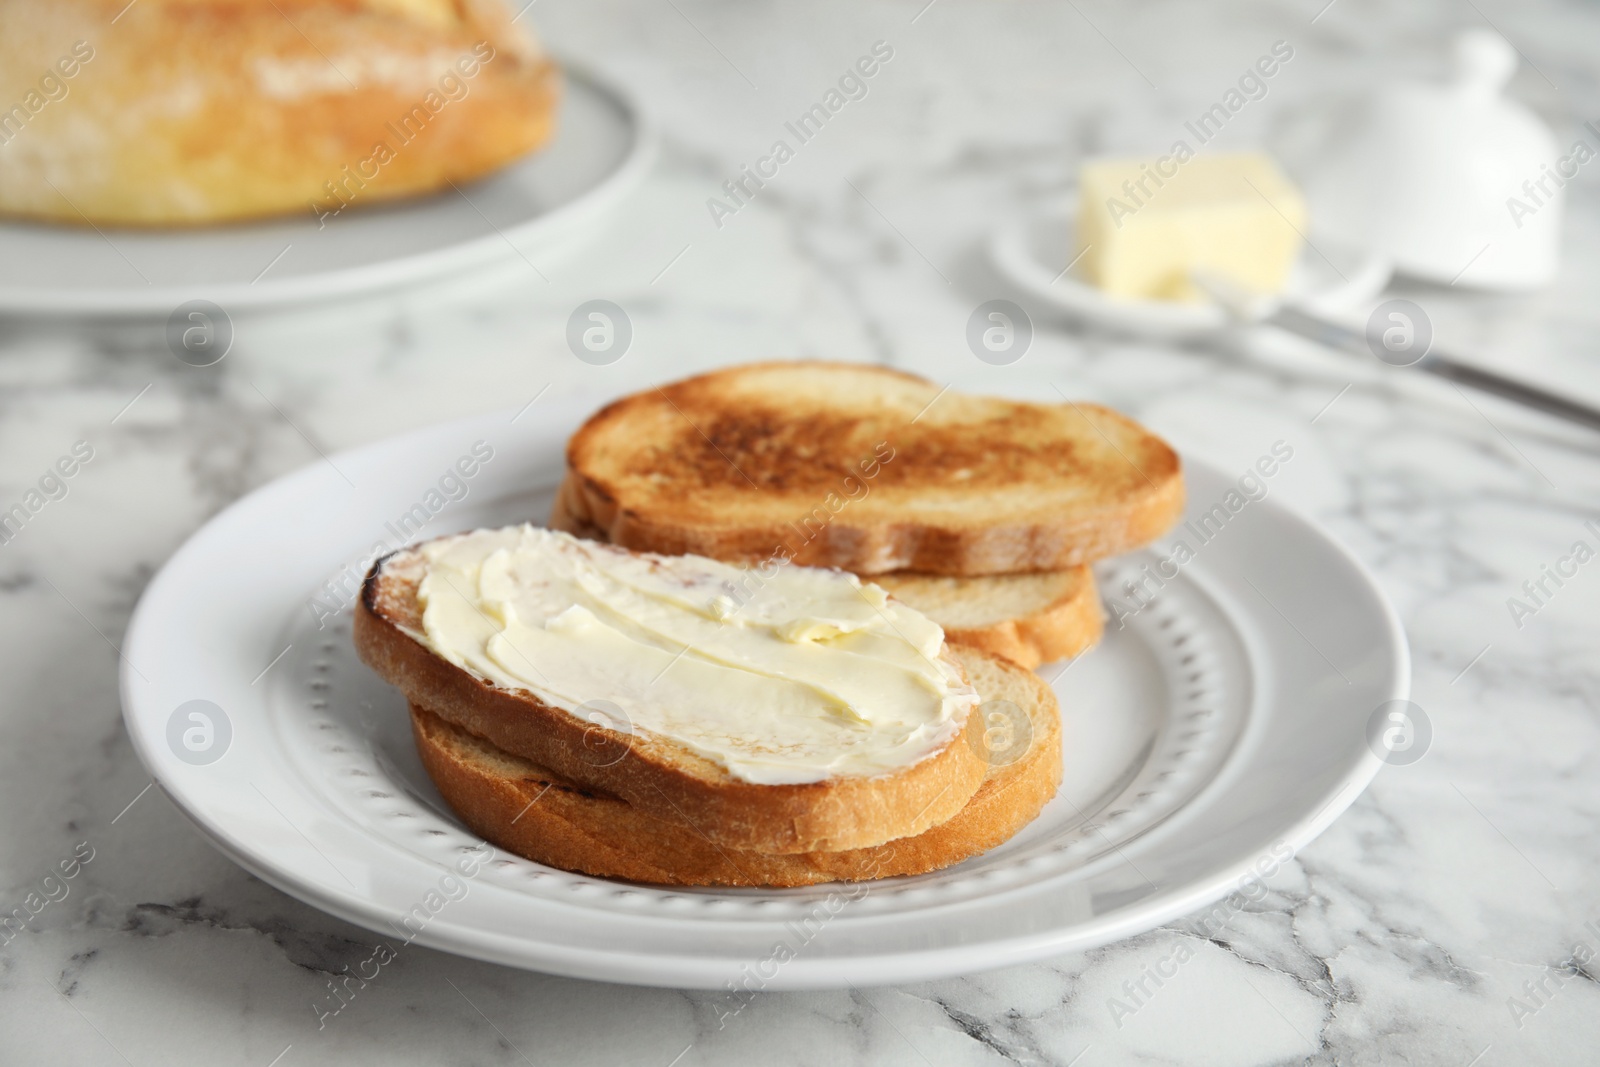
(1031, 253)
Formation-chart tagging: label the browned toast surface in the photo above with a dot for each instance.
(870, 470)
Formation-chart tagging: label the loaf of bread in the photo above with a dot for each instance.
(171, 112)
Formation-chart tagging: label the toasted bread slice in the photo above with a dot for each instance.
(1027, 618)
(565, 511)
(657, 775)
(870, 470)
(534, 812)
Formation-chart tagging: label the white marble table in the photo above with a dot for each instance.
(1398, 937)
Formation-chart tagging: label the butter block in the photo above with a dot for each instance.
(1144, 225)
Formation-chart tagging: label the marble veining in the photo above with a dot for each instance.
(1435, 923)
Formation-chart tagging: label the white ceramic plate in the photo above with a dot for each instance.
(1031, 253)
(603, 147)
(1222, 728)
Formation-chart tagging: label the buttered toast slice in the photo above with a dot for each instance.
(807, 714)
(540, 815)
(1029, 619)
(870, 470)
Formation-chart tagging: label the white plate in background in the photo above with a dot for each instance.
(1224, 727)
(1031, 253)
(603, 147)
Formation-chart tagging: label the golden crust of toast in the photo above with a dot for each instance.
(870, 470)
(540, 815)
(656, 775)
(1028, 619)
(198, 111)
